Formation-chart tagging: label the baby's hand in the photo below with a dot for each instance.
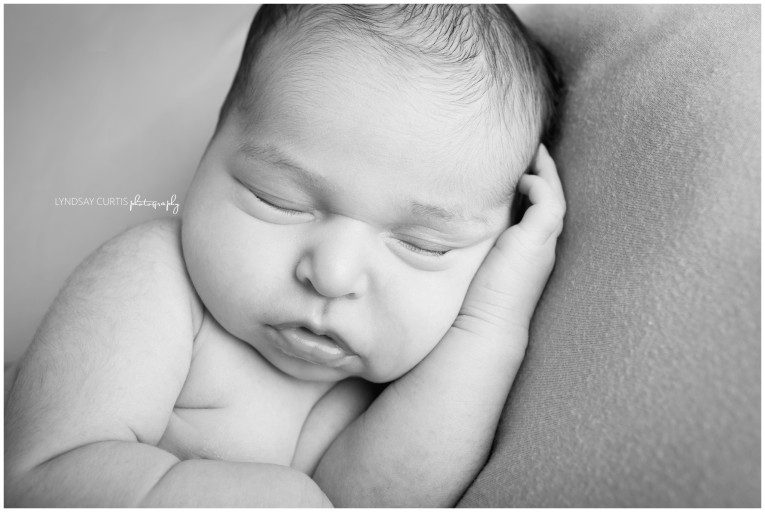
(504, 292)
(462, 383)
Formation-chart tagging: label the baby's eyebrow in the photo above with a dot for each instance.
(273, 155)
(445, 214)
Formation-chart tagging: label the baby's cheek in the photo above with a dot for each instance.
(201, 266)
(442, 297)
(209, 252)
(432, 305)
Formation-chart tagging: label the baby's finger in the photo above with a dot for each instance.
(544, 218)
(544, 166)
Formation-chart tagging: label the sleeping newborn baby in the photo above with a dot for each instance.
(339, 315)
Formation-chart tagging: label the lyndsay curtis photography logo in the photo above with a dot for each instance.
(171, 205)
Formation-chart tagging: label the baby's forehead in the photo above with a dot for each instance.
(398, 111)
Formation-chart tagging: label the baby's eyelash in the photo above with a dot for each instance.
(287, 211)
(424, 252)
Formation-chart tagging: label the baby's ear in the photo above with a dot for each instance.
(520, 202)
(518, 205)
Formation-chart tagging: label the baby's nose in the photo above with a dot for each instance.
(336, 264)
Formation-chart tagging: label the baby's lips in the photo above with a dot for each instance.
(300, 342)
(319, 332)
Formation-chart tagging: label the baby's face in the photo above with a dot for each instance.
(336, 225)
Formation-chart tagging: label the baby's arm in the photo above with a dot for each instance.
(94, 393)
(427, 435)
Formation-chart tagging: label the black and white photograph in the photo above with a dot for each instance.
(382, 256)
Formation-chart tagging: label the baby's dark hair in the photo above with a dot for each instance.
(481, 49)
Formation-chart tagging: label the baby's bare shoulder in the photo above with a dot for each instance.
(156, 242)
(113, 351)
(146, 262)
